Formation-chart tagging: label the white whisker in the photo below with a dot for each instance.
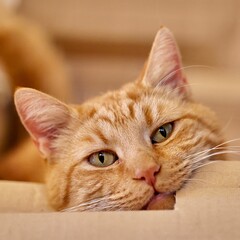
(161, 82)
(226, 126)
(214, 148)
(86, 205)
(182, 68)
(202, 165)
(99, 204)
(196, 180)
(196, 160)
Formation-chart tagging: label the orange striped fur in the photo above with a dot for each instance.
(122, 122)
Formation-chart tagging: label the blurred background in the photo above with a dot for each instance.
(105, 44)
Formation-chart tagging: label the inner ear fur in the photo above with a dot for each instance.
(164, 65)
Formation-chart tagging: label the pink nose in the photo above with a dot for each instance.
(148, 174)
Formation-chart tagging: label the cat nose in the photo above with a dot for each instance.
(147, 174)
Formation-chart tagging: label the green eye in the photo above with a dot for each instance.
(162, 133)
(102, 159)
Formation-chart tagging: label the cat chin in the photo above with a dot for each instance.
(161, 201)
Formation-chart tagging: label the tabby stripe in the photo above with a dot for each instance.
(69, 178)
(131, 110)
(87, 138)
(105, 119)
(95, 190)
(101, 136)
(148, 115)
(133, 95)
(92, 112)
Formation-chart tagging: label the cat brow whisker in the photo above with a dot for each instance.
(171, 74)
(179, 69)
(151, 99)
(182, 86)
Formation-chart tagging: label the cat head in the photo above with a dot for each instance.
(118, 151)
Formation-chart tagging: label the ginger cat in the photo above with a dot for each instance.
(128, 149)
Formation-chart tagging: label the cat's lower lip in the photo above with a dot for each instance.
(161, 201)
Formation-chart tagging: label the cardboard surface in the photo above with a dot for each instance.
(207, 208)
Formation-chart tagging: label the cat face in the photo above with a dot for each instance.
(124, 149)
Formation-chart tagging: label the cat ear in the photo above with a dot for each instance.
(164, 67)
(43, 117)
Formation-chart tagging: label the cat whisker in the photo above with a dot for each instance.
(176, 89)
(196, 180)
(217, 147)
(171, 74)
(179, 69)
(191, 183)
(110, 206)
(155, 90)
(100, 204)
(229, 141)
(233, 149)
(198, 159)
(207, 171)
(88, 204)
(227, 124)
(202, 165)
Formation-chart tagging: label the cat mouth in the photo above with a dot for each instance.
(161, 201)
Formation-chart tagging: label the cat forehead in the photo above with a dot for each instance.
(136, 106)
(121, 121)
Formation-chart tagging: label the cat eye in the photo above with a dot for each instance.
(103, 159)
(162, 133)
